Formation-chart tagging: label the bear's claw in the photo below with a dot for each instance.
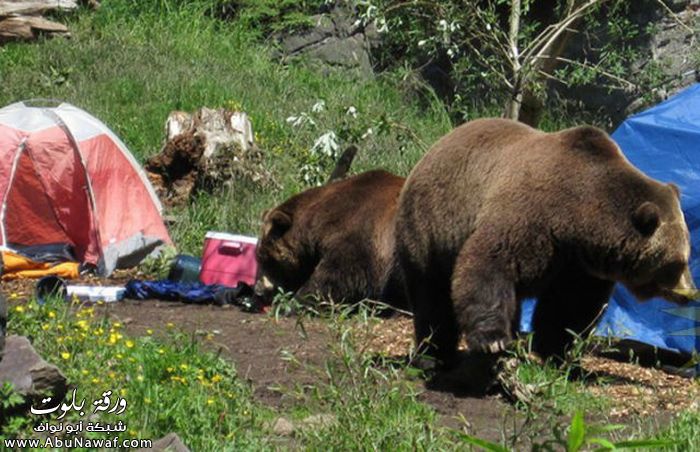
(494, 347)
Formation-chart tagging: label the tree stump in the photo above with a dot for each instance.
(206, 150)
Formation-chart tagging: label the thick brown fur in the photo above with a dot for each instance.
(333, 241)
(497, 211)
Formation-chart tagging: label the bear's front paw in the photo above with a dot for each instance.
(492, 343)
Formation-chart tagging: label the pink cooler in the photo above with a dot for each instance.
(228, 259)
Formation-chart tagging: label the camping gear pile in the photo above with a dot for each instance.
(73, 200)
(225, 275)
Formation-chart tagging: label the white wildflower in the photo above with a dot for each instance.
(326, 144)
(319, 106)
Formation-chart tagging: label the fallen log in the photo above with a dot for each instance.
(23, 19)
(34, 7)
(28, 28)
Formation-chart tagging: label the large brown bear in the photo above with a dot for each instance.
(333, 241)
(497, 211)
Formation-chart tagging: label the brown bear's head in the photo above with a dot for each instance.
(635, 231)
(662, 263)
(279, 255)
(653, 246)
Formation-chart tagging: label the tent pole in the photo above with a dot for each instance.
(13, 171)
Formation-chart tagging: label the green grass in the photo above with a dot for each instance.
(170, 384)
(684, 428)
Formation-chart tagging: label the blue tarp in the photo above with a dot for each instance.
(664, 143)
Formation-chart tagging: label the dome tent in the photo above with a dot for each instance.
(65, 178)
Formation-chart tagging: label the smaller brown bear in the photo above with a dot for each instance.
(497, 211)
(333, 241)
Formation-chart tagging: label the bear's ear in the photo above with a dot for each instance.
(646, 218)
(675, 189)
(279, 222)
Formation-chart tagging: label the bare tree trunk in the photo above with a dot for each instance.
(515, 101)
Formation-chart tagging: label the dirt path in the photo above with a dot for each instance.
(257, 343)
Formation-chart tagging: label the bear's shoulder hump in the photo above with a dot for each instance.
(589, 139)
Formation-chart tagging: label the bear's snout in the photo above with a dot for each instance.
(671, 274)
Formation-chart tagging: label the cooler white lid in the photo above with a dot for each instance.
(232, 237)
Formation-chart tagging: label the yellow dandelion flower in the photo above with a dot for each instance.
(45, 326)
(119, 356)
(19, 309)
(65, 355)
(170, 325)
(117, 324)
(216, 378)
(95, 380)
(139, 378)
(129, 344)
(147, 401)
(123, 392)
(149, 331)
(184, 366)
(170, 369)
(161, 351)
(84, 372)
(52, 315)
(210, 401)
(14, 295)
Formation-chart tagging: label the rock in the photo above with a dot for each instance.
(283, 427)
(669, 53)
(31, 376)
(170, 442)
(336, 39)
(348, 52)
